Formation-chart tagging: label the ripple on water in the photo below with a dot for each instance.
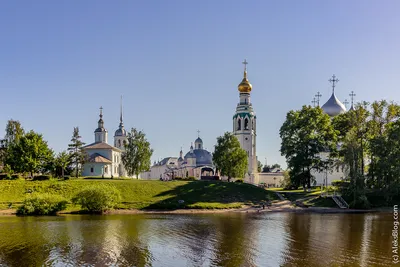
(268, 239)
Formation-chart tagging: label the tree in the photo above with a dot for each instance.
(62, 161)
(259, 166)
(229, 158)
(276, 166)
(13, 133)
(30, 154)
(306, 134)
(75, 149)
(136, 157)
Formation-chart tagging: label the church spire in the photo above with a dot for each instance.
(121, 123)
(101, 122)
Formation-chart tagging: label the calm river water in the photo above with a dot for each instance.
(235, 239)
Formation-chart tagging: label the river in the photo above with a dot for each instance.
(225, 239)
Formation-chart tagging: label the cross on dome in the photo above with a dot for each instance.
(318, 96)
(314, 101)
(333, 80)
(245, 64)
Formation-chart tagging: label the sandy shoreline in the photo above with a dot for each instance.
(281, 206)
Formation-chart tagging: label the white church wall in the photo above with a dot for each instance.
(271, 179)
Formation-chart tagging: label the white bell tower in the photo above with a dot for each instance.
(100, 134)
(244, 124)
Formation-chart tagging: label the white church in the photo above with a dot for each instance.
(103, 159)
(332, 107)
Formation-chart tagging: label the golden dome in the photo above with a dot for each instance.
(245, 86)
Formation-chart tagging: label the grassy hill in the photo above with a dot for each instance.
(142, 194)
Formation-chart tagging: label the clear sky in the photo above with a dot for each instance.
(178, 63)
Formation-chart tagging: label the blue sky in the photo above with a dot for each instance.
(178, 63)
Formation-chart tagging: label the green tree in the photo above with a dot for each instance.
(259, 166)
(306, 134)
(229, 158)
(30, 154)
(14, 132)
(136, 157)
(75, 149)
(276, 166)
(62, 161)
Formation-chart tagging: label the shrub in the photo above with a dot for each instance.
(42, 204)
(239, 181)
(98, 198)
(41, 178)
(361, 202)
(7, 176)
(340, 183)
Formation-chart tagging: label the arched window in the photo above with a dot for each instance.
(246, 124)
(239, 125)
(124, 142)
(252, 124)
(119, 143)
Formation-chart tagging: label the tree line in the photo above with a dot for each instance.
(27, 153)
(364, 142)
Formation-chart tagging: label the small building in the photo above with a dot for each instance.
(197, 162)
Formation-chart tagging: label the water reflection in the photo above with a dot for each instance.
(274, 239)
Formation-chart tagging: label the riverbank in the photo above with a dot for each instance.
(144, 194)
(278, 206)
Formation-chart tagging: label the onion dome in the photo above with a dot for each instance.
(333, 106)
(245, 86)
(100, 123)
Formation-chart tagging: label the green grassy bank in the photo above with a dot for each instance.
(141, 194)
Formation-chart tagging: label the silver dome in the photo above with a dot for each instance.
(120, 132)
(333, 106)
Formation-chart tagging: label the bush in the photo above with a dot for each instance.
(7, 176)
(98, 198)
(239, 181)
(360, 203)
(42, 204)
(41, 178)
(340, 183)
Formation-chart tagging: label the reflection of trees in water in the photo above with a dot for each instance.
(298, 228)
(334, 240)
(234, 242)
(134, 250)
(109, 241)
(24, 242)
